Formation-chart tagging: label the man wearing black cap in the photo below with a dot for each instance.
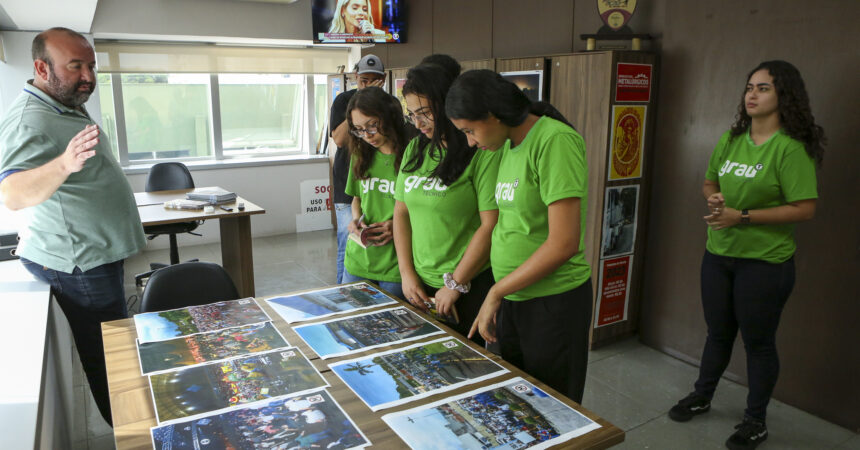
(370, 72)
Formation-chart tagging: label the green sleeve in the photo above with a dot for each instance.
(562, 170)
(351, 188)
(26, 148)
(485, 177)
(716, 160)
(796, 175)
(401, 176)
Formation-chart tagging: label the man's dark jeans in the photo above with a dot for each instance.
(88, 299)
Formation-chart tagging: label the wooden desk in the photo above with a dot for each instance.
(236, 249)
(133, 413)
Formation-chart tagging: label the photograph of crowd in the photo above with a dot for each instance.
(399, 376)
(512, 414)
(210, 387)
(199, 348)
(305, 421)
(328, 302)
(354, 334)
(161, 325)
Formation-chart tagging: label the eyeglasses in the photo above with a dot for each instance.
(424, 114)
(368, 130)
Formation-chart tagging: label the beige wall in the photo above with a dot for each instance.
(707, 48)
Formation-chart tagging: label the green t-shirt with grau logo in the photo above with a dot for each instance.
(444, 218)
(547, 166)
(376, 193)
(751, 176)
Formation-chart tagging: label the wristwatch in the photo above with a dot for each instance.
(452, 284)
(745, 217)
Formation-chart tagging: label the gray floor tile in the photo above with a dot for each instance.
(614, 349)
(281, 278)
(96, 425)
(664, 434)
(78, 378)
(852, 443)
(617, 408)
(80, 445)
(79, 421)
(105, 442)
(791, 428)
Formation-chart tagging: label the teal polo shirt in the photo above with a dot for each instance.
(91, 219)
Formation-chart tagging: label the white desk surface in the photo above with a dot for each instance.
(24, 306)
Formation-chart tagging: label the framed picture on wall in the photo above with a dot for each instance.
(529, 81)
(627, 142)
(619, 221)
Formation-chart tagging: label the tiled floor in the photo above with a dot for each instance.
(629, 384)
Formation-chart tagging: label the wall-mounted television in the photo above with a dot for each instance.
(357, 21)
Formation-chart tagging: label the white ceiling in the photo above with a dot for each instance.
(38, 15)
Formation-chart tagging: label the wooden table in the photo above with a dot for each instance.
(236, 249)
(134, 414)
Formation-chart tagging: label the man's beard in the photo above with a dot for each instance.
(69, 95)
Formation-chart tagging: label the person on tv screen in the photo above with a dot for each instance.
(354, 17)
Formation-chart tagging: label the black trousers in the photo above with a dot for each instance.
(745, 294)
(469, 304)
(547, 337)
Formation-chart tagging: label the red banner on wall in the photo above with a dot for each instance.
(633, 82)
(614, 290)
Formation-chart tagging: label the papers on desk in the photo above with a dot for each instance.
(320, 303)
(212, 196)
(162, 325)
(511, 414)
(237, 381)
(313, 420)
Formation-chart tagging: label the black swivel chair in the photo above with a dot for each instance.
(164, 177)
(187, 284)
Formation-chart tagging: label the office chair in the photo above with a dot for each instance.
(164, 177)
(187, 284)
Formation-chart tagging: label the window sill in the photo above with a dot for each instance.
(234, 163)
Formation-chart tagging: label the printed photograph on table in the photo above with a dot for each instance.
(399, 376)
(162, 325)
(627, 142)
(339, 337)
(613, 290)
(508, 415)
(529, 81)
(313, 420)
(199, 348)
(328, 302)
(619, 221)
(224, 384)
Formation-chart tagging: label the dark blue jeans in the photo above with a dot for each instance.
(88, 299)
(745, 294)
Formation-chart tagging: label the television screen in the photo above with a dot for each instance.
(356, 21)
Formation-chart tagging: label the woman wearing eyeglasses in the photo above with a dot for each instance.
(376, 142)
(445, 208)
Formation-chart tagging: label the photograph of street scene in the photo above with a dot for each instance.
(513, 414)
(328, 302)
(158, 326)
(354, 334)
(210, 387)
(398, 376)
(199, 348)
(305, 421)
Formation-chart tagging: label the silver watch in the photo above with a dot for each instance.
(452, 284)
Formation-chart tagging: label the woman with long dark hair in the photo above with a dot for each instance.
(543, 283)
(377, 138)
(445, 210)
(760, 182)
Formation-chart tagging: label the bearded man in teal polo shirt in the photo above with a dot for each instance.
(57, 168)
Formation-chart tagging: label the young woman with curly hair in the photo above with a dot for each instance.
(760, 182)
(377, 137)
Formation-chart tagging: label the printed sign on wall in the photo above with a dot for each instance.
(619, 221)
(614, 290)
(633, 82)
(627, 142)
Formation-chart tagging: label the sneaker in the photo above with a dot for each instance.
(750, 434)
(691, 405)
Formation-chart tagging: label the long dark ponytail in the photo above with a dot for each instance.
(432, 82)
(478, 93)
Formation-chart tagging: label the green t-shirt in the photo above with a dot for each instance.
(91, 219)
(376, 193)
(444, 218)
(751, 176)
(547, 166)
